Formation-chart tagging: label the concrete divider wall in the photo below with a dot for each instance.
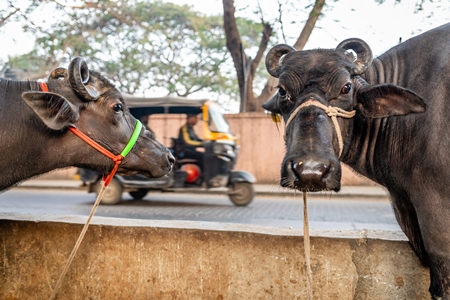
(191, 260)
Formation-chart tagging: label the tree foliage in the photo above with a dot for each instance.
(153, 47)
(145, 46)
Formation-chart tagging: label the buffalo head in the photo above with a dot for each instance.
(320, 95)
(85, 99)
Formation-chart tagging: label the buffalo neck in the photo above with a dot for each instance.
(378, 145)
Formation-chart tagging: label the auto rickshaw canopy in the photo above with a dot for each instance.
(215, 126)
(141, 106)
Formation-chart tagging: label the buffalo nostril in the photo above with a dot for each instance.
(171, 159)
(310, 172)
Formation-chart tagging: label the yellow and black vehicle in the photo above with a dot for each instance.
(220, 150)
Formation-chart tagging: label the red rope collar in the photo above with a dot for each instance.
(117, 159)
(44, 86)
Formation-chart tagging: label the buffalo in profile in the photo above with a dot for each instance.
(387, 118)
(34, 135)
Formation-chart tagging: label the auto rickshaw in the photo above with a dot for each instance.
(220, 146)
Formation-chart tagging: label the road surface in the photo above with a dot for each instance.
(274, 211)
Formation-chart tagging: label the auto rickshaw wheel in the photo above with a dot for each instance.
(113, 193)
(138, 194)
(241, 193)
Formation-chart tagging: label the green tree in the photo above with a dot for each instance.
(143, 45)
(157, 46)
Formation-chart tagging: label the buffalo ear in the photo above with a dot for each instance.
(386, 100)
(54, 110)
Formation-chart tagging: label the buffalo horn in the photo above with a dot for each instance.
(58, 73)
(273, 58)
(79, 79)
(362, 51)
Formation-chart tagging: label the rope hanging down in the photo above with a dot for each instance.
(307, 248)
(77, 244)
(117, 159)
(333, 112)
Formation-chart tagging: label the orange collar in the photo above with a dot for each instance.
(44, 86)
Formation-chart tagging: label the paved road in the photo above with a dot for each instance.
(328, 212)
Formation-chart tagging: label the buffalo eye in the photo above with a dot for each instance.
(346, 88)
(282, 92)
(117, 107)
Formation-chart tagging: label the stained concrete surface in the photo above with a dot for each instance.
(138, 259)
(142, 259)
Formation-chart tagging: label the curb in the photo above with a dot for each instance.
(375, 192)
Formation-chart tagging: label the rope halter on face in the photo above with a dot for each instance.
(332, 111)
(116, 158)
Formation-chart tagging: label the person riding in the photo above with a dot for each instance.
(189, 142)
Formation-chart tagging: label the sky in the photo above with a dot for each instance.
(380, 25)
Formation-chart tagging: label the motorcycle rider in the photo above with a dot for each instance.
(189, 142)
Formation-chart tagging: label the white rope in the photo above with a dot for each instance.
(307, 248)
(77, 244)
(332, 111)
